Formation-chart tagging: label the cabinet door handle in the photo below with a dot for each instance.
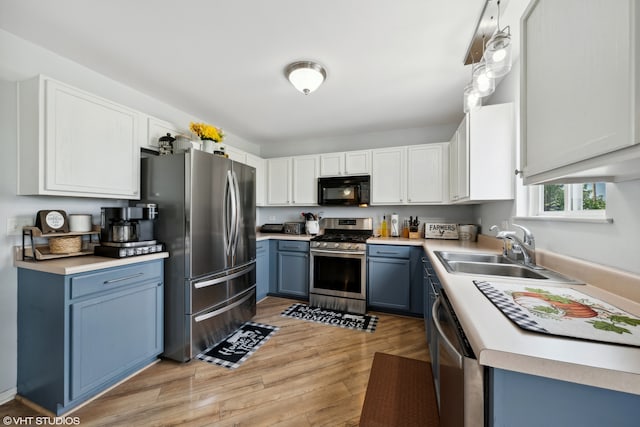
(121, 279)
(387, 253)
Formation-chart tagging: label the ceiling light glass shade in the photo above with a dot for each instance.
(471, 99)
(305, 76)
(497, 56)
(482, 83)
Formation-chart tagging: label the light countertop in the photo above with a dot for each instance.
(282, 236)
(499, 343)
(82, 264)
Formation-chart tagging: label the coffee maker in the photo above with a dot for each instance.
(127, 231)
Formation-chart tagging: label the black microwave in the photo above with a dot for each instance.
(344, 191)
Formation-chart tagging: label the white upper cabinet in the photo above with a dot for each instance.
(292, 180)
(279, 181)
(459, 163)
(305, 180)
(261, 178)
(357, 162)
(346, 163)
(482, 155)
(157, 128)
(331, 164)
(416, 174)
(236, 154)
(454, 191)
(580, 86)
(73, 143)
(427, 173)
(388, 176)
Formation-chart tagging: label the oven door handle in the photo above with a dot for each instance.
(322, 251)
(445, 340)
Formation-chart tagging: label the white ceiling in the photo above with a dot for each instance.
(391, 64)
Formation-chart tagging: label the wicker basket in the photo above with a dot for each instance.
(65, 245)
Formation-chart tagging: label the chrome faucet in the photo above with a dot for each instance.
(526, 246)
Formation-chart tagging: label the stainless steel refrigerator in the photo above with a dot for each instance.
(206, 206)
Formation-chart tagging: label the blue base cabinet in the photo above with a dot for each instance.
(517, 399)
(262, 269)
(389, 277)
(394, 278)
(79, 334)
(292, 268)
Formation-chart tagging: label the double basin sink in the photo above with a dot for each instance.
(497, 265)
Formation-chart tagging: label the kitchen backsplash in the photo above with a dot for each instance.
(455, 214)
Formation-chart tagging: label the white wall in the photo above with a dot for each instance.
(21, 60)
(410, 136)
(612, 244)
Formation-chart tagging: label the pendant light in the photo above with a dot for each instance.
(306, 76)
(497, 55)
(471, 99)
(482, 83)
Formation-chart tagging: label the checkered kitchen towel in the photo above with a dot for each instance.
(510, 309)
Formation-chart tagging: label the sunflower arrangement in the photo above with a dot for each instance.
(205, 131)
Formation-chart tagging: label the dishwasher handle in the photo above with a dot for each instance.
(449, 347)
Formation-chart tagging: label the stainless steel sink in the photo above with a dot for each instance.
(490, 264)
(511, 270)
(473, 257)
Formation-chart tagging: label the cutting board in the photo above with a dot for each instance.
(562, 311)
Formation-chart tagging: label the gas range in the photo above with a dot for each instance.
(344, 234)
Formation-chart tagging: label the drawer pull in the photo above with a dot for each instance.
(214, 313)
(388, 253)
(222, 279)
(121, 279)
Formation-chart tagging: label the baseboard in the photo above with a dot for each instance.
(8, 395)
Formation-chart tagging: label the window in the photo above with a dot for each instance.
(587, 199)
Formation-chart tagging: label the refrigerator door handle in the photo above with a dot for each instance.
(227, 216)
(236, 189)
(234, 217)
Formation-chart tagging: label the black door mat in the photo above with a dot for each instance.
(342, 319)
(238, 346)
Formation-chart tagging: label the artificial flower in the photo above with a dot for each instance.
(205, 131)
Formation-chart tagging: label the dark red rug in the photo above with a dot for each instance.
(400, 392)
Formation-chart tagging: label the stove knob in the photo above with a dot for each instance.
(349, 246)
(324, 244)
(336, 245)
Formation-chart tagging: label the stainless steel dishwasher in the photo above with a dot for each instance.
(461, 381)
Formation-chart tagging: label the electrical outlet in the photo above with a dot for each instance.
(15, 224)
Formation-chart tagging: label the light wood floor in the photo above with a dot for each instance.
(307, 374)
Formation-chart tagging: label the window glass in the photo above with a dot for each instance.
(594, 196)
(554, 195)
(567, 199)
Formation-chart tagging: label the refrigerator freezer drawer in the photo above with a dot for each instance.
(215, 290)
(210, 327)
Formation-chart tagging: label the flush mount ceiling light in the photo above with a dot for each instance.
(306, 76)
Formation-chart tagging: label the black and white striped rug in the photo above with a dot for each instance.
(238, 346)
(342, 319)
